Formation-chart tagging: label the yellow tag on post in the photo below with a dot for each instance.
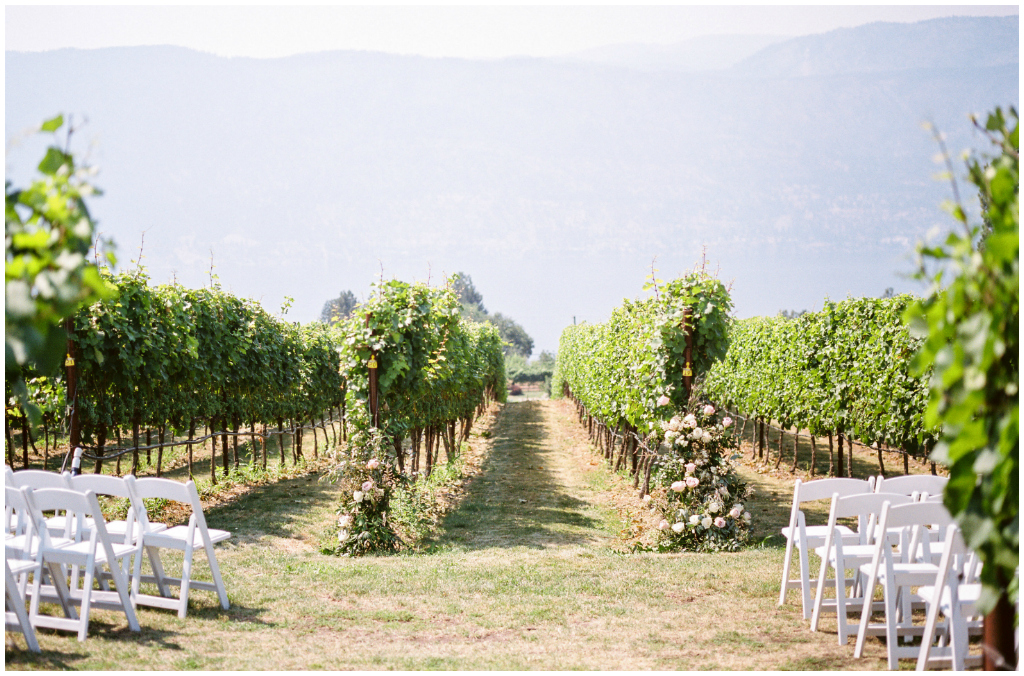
(372, 363)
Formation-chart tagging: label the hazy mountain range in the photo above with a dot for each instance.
(800, 163)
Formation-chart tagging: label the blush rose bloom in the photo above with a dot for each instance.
(373, 464)
(664, 525)
(720, 522)
(689, 421)
(678, 486)
(367, 485)
(692, 481)
(735, 512)
(663, 400)
(726, 423)
(709, 410)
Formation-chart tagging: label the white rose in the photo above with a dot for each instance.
(345, 521)
(689, 421)
(694, 519)
(678, 486)
(724, 492)
(663, 525)
(714, 507)
(678, 526)
(342, 535)
(746, 516)
(358, 496)
(706, 522)
(706, 437)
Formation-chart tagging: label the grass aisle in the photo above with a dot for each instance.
(526, 574)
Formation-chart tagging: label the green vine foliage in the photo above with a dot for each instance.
(845, 370)
(434, 370)
(971, 330)
(47, 235)
(619, 370)
(628, 374)
(168, 354)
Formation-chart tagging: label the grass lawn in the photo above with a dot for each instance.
(528, 572)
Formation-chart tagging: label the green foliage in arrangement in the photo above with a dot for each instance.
(619, 370)
(434, 369)
(47, 235)
(168, 354)
(845, 369)
(971, 330)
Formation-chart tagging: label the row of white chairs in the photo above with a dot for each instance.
(905, 539)
(76, 549)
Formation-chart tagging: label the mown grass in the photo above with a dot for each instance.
(527, 573)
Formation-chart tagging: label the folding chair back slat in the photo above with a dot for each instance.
(911, 483)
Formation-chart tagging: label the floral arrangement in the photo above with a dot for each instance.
(368, 483)
(702, 496)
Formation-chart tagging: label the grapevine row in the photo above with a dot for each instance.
(843, 371)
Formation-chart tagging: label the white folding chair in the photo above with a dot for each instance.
(912, 483)
(86, 553)
(898, 576)
(805, 538)
(15, 615)
(841, 555)
(957, 597)
(186, 539)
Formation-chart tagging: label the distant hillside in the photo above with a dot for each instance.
(707, 52)
(555, 183)
(953, 43)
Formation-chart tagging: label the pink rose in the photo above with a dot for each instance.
(692, 481)
(690, 468)
(726, 422)
(373, 464)
(709, 410)
(664, 525)
(367, 485)
(720, 522)
(678, 486)
(663, 400)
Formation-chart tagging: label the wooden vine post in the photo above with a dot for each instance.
(372, 368)
(75, 432)
(688, 354)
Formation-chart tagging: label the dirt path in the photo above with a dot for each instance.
(531, 491)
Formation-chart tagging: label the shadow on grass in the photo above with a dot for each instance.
(517, 500)
(279, 509)
(98, 631)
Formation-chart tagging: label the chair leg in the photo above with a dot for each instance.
(83, 628)
(215, 570)
(158, 570)
(819, 594)
(17, 604)
(891, 626)
(186, 582)
(841, 625)
(785, 570)
(121, 584)
(805, 583)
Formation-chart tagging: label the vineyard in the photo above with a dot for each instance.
(840, 373)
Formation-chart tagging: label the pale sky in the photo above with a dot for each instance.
(470, 31)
